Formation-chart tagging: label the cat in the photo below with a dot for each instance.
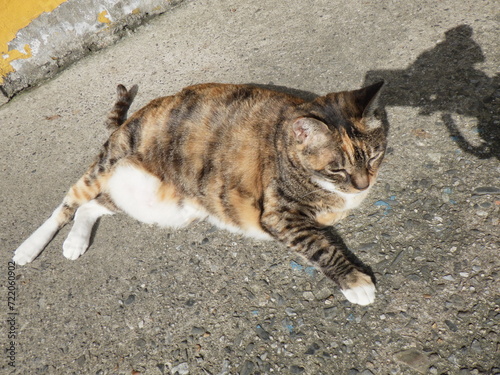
(249, 159)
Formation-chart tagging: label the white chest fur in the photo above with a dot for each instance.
(350, 200)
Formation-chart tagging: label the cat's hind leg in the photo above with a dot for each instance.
(78, 238)
(35, 243)
(86, 189)
(89, 187)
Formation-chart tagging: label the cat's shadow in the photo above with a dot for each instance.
(444, 80)
(93, 232)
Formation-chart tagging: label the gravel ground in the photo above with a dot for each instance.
(145, 300)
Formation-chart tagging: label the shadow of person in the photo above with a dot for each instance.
(444, 80)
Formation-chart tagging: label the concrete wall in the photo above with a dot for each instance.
(39, 37)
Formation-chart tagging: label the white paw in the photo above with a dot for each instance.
(74, 247)
(359, 288)
(30, 248)
(22, 256)
(362, 295)
(35, 243)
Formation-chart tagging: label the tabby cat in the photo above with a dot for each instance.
(249, 159)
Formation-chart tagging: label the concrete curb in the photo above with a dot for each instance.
(37, 41)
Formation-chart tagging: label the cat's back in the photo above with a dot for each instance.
(204, 111)
(219, 102)
(208, 123)
(223, 99)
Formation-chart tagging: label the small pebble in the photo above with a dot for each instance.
(180, 369)
(413, 358)
(476, 346)
(312, 349)
(262, 333)
(413, 277)
(294, 369)
(129, 300)
(225, 367)
(247, 368)
(308, 295)
(323, 293)
(484, 190)
(453, 359)
(452, 326)
(290, 312)
(81, 360)
(330, 311)
(198, 331)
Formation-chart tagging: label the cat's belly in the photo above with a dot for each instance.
(145, 198)
(142, 196)
(251, 231)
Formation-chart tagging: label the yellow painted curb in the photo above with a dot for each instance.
(14, 16)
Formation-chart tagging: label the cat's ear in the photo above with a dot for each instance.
(365, 99)
(309, 131)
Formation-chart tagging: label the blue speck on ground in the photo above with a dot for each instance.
(382, 204)
(296, 266)
(311, 271)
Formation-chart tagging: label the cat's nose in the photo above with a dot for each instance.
(360, 182)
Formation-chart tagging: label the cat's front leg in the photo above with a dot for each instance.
(319, 245)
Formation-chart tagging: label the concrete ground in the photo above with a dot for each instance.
(145, 300)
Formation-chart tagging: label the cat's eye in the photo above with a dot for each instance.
(339, 172)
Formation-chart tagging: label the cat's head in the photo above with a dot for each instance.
(341, 140)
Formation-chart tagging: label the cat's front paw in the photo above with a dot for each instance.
(359, 288)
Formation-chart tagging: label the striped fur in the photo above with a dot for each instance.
(251, 160)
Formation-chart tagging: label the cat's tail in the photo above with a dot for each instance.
(124, 99)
